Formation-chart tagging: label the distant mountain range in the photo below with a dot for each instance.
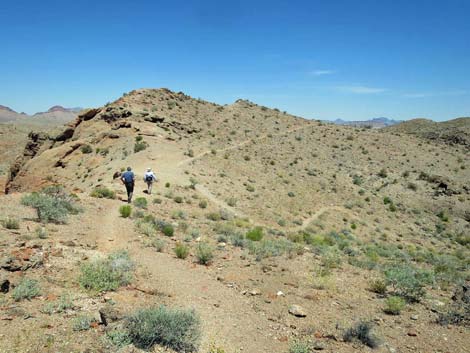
(56, 113)
(375, 123)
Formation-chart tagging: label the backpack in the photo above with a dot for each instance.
(149, 178)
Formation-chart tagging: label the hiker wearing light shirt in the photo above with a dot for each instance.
(149, 178)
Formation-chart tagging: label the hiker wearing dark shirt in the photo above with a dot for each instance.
(128, 179)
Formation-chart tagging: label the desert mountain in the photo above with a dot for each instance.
(274, 229)
(453, 132)
(56, 115)
(375, 123)
(7, 114)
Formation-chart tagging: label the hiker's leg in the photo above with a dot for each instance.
(150, 188)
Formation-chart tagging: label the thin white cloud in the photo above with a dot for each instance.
(436, 94)
(359, 89)
(322, 72)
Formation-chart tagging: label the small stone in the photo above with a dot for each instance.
(319, 346)
(255, 292)
(414, 317)
(280, 294)
(412, 333)
(4, 285)
(297, 311)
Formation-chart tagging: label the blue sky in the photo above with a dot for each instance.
(349, 59)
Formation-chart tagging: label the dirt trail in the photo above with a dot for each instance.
(224, 311)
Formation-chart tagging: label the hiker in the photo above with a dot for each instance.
(149, 178)
(128, 180)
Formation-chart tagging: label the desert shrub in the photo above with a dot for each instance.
(387, 200)
(157, 201)
(82, 323)
(103, 193)
(140, 202)
(52, 204)
(203, 204)
(231, 201)
(214, 216)
(181, 251)
(362, 332)
(462, 239)
(443, 216)
(140, 145)
(407, 282)
(168, 230)
(383, 173)
(412, 186)
(11, 223)
(394, 305)
(331, 259)
(118, 338)
(147, 228)
(158, 244)
(26, 289)
(448, 270)
(204, 253)
(178, 199)
(357, 180)
(299, 346)
(65, 302)
(125, 211)
(41, 232)
(270, 248)
(250, 188)
(107, 274)
(255, 234)
(378, 286)
(177, 329)
(238, 240)
(86, 149)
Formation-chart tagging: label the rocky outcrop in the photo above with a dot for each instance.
(37, 143)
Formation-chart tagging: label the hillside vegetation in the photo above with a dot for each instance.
(265, 232)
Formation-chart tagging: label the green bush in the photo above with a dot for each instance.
(407, 282)
(11, 223)
(203, 204)
(26, 289)
(168, 230)
(65, 302)
(86, 149)
(52, 204)
(362, 332)
(107, 274)
(378, 286)
(255, 234)
(118, 338)
(181, 251)
(140, 145)
(387, 200)
(394, 305)
(177, 329)
(125, 211)
(103, 193)
(140, 202)
(204, 253)
(214, 216)
(178, 199)
(158, 244)
(300, 347)
(82, 323)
